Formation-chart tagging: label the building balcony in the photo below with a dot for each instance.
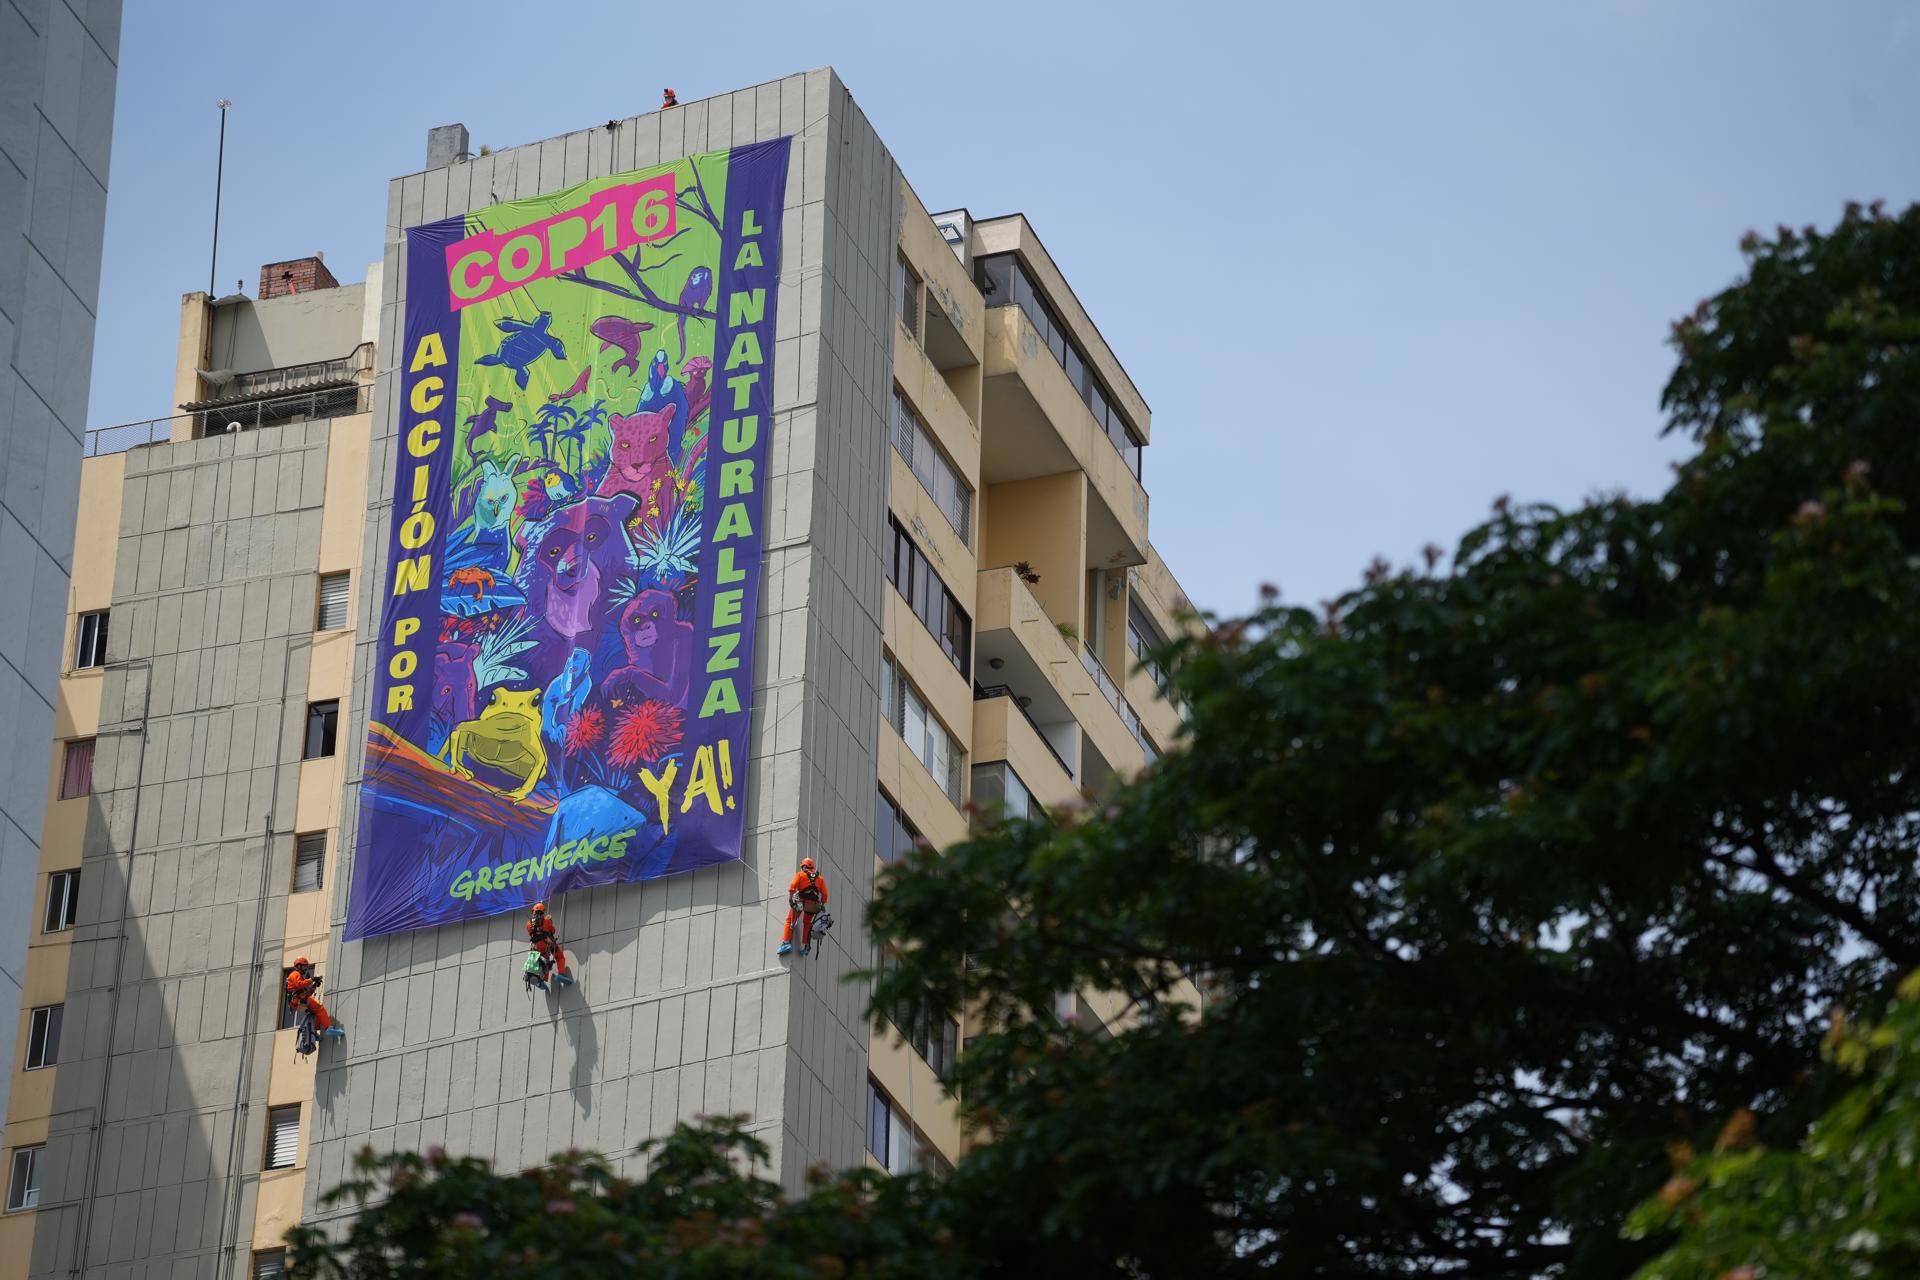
(1016, 645)
(1037, 425)
(1005, 732)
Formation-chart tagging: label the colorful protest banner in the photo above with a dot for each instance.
(565, 655)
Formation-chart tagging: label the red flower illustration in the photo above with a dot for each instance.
(644, 733)
(586, 730)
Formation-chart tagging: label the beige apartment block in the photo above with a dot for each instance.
(958, 590)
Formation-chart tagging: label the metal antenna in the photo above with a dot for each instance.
(219, 174)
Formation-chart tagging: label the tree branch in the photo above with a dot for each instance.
(641, 292)
(1767, 868)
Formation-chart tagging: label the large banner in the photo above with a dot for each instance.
(566, 635)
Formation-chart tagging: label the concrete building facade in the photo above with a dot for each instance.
(58, 71)
(957, 577)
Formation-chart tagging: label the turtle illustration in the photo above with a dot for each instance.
(524, 344)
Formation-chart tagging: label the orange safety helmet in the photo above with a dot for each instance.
(806, 864)
(301, 962)
(539, 908)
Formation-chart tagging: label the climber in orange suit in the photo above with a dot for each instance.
(545, 939)
(302, 987)
(806, 898)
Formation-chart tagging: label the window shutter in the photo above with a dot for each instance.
(309, 862)
(333, 603)
(76, 777)
(269, 1264)
(283, 1137)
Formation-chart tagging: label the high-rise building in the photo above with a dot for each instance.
(955, 589)
(58, 69)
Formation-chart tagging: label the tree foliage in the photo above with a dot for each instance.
(1845, 1205)
(1461, 901)
(1502, 877)
(701, 1210)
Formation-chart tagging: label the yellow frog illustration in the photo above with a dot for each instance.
(505, 736)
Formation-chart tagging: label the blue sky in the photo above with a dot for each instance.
(1370, 264)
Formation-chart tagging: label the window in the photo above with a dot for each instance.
(906, 292)
(76, 772)
(309, 862)
(1004, 282)
(937, 1041)
(915, 445)
(893, 836)
(909, 570)
(91, 651)
(63, 901)
(283, 1136)
(997, 786)
(925, 736)
(889, 1136)
(23, 1187)
(323, 727)
(269, 1264)
(43, 1036)
(1143, 638)
(331, 612)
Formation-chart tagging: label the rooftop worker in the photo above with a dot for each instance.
(667, 99)
(302, 989)
(806, 898)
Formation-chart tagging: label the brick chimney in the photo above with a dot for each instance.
(299, 275)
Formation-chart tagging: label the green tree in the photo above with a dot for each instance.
(1845, 1205)
(701, 1210)
(1460, 903)
(1500, 878)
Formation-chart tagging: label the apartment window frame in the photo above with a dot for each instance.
(323, 730)
(910, 715)
(1144, 639)
(90, 639)
(76, 768)
(894, 837)
(331, 597)
(63, 901)
(277, 1141)
(914, 441)
(309, 850)
(932, 601)
(897, 1138)
(1002, 785)
(1005, 275)
(23, 1177)
(906, 295)
(43, 1037)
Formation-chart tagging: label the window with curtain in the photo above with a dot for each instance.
(76, 770)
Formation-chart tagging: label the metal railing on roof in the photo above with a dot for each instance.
(245, 415)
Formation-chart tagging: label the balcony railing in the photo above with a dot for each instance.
(327, 402)
(1111, 692)
(982, 693)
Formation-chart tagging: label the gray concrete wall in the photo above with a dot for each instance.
(173, 988)
(58, 67)
(681, 1007)
(294, 328)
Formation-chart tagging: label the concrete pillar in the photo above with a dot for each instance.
(446, 144)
